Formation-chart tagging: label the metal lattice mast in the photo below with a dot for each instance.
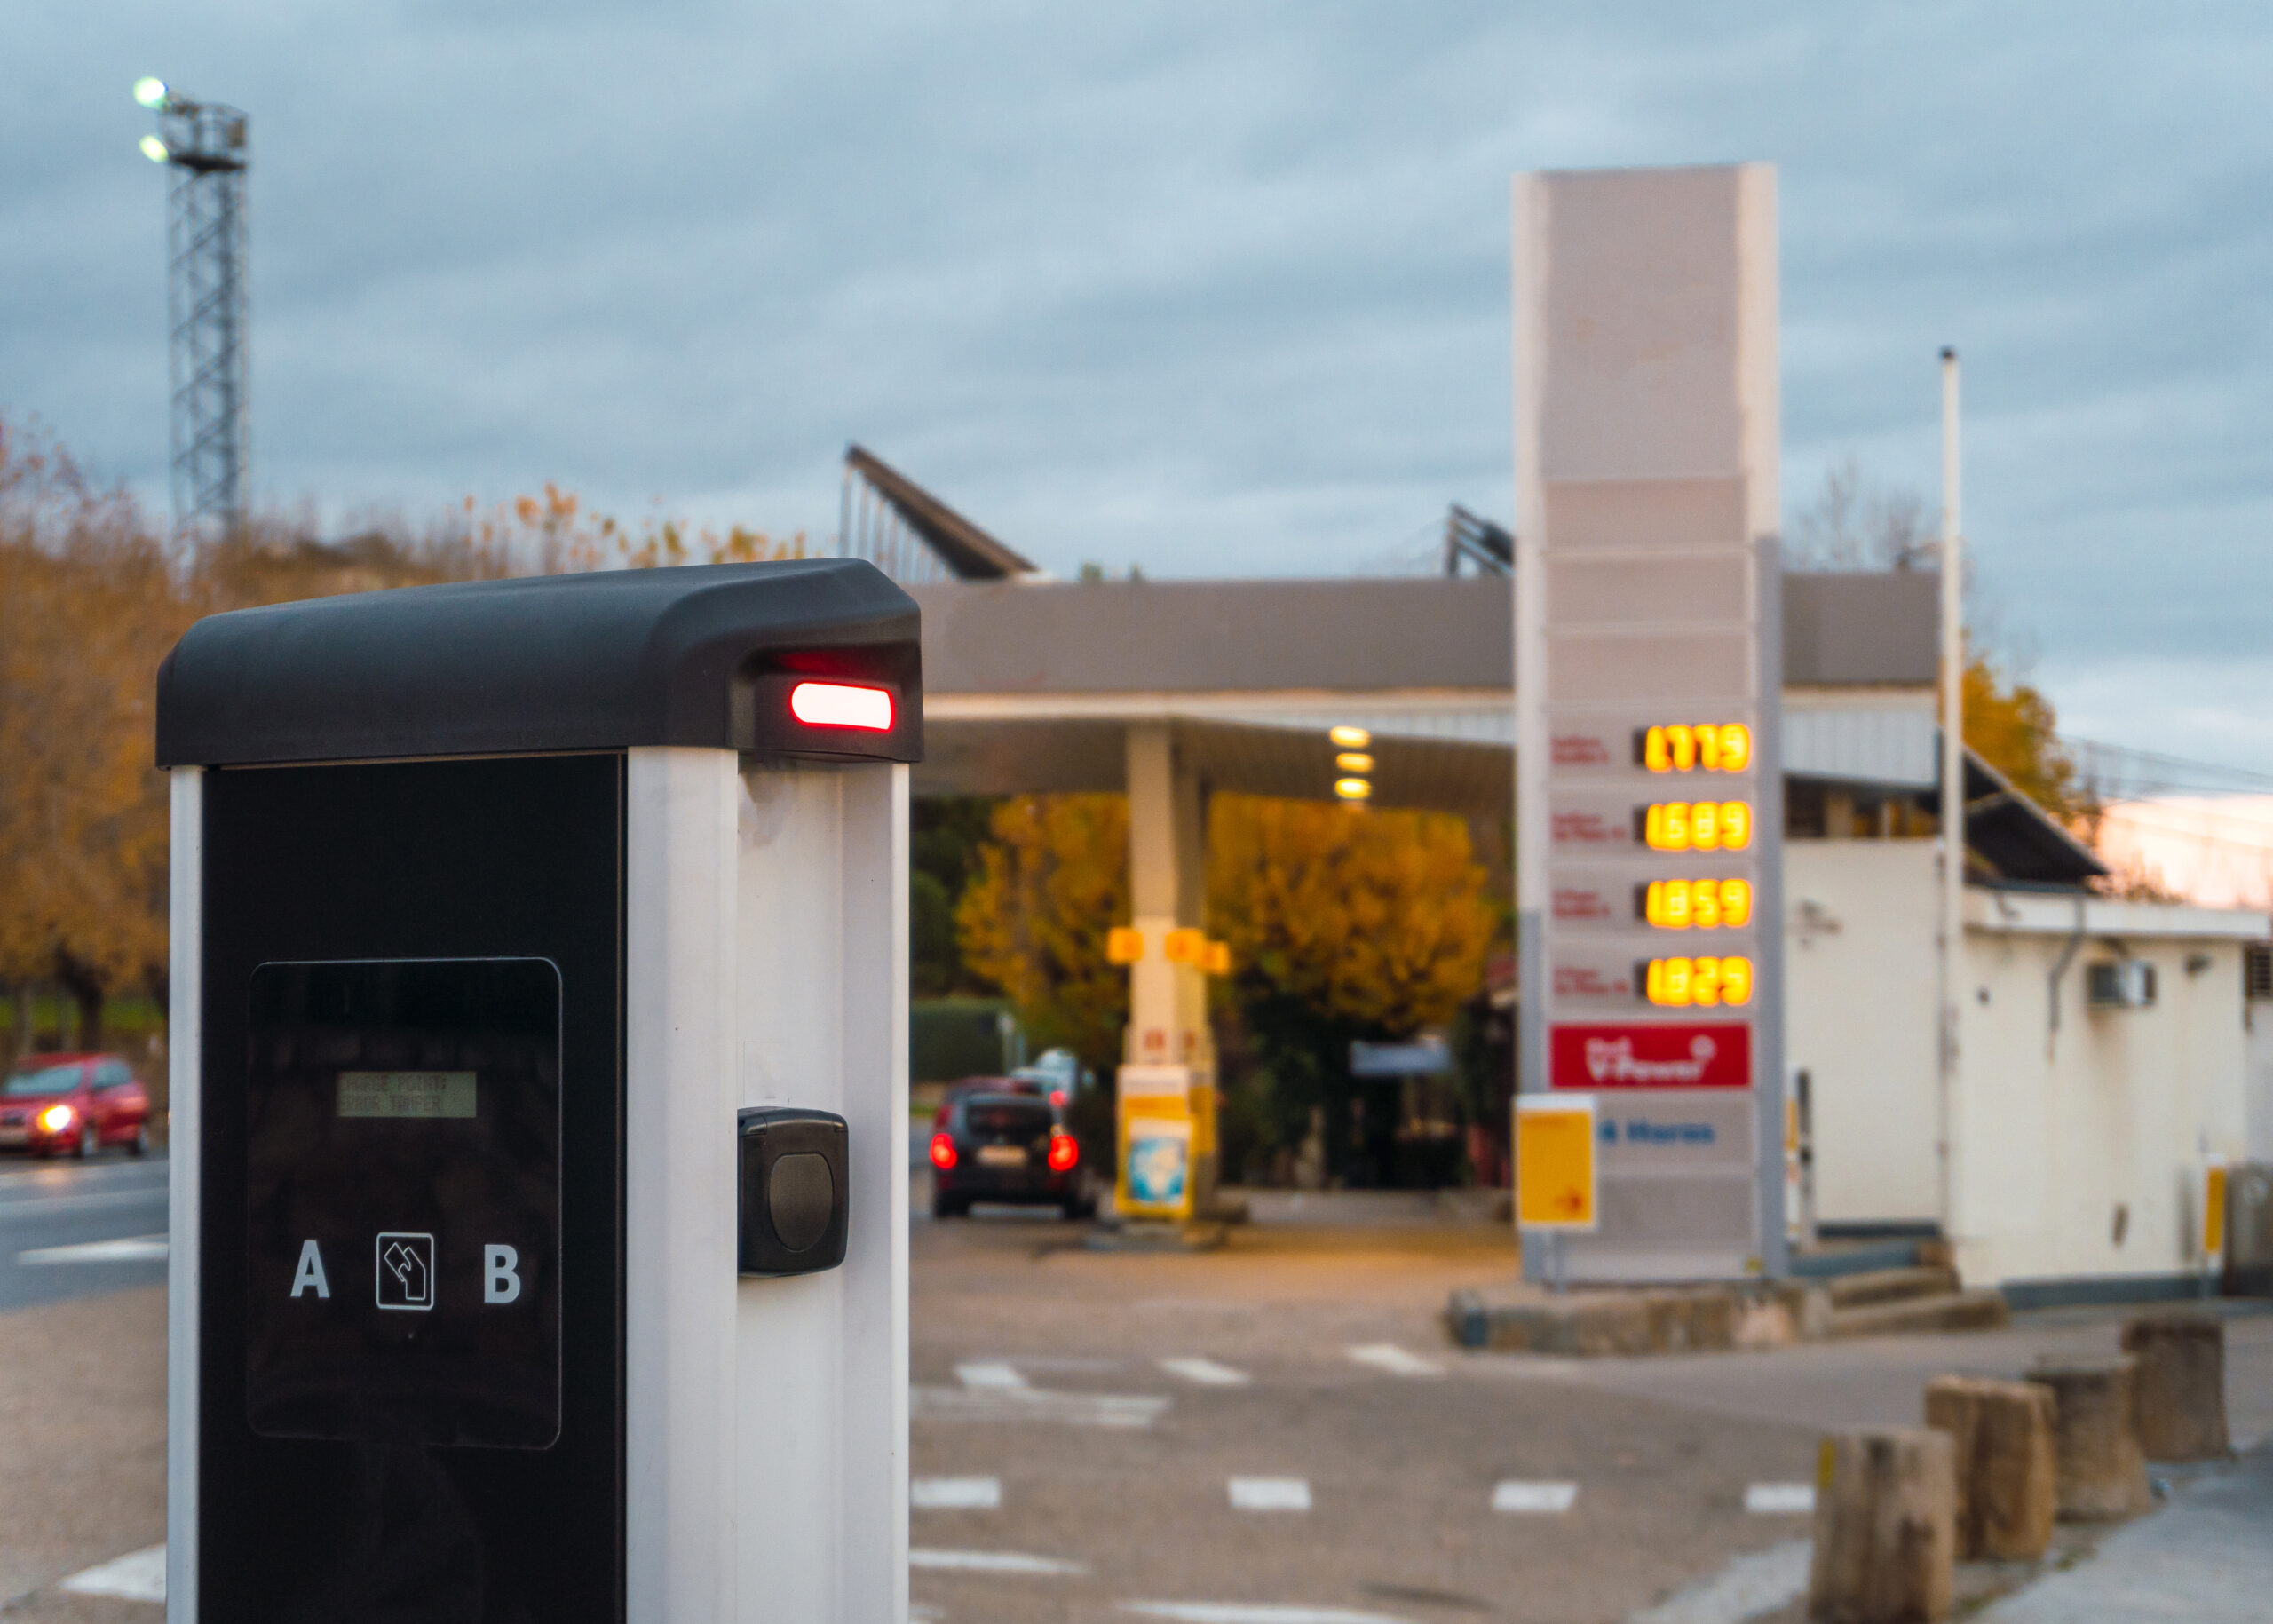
(206, 148)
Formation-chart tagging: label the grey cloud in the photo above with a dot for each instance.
(1221, 290)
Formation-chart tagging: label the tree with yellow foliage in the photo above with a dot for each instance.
(1052, 881)
(2012, 726)
(89, 605)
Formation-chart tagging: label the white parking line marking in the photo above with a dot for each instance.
(138, 1249)
(1127, 1410)
(993, 1373)
(1387, 1356)
(1205, 1372)
(993, 1562)
(1253, 1613)
(1269, 1493)
(1780, 1498)
(955, 1494)
(1533, 1499)
(138, 1577)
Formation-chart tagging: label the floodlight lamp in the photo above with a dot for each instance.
(151, 93)
(1349, 738)
(1353, 789)
(155, 149)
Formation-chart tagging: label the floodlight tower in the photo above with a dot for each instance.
(207, 148)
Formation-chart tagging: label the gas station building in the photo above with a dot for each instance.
(2086, 1095)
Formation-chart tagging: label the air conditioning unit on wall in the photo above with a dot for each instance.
(2119, 984)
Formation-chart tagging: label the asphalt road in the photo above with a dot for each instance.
(73, 1229)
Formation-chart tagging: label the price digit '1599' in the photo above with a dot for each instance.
(1698, 982)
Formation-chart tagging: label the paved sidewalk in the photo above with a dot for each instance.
(2206, 1558)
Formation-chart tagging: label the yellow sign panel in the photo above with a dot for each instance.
(1123, 944)
(1186, 946)
(1219, 959)
(1554, 1162)
(2213, 1210)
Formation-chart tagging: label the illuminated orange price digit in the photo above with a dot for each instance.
(1705, 826)
(1703, 903)
(1710, 746)
(1681, 983)
(1736, 905)
(1736, 824)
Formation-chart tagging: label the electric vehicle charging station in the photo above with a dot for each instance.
(539, 1196)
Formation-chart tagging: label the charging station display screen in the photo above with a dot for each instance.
(402, 1179)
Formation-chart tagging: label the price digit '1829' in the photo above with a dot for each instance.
(1685, 983)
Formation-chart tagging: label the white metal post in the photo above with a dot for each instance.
(679, 1186)
(1954, 848)
(820, 1006)
(184, 1035)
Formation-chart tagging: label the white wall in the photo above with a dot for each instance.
(2053, 1130)
(1859, 987)
(2058, 1129)
(2258, 1050)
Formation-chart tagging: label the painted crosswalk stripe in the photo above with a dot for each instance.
(138, 1577)
(955, 1493)
(1205, 1372)
(1269, 1493)
(1387, 1356)
(993, 1562)
(1113, 1410)
(1780, 1498)
(136, 1250)
(1253, 1613)
(996, 1374)
(1533, 1499)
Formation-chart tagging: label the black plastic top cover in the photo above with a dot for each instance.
(706, 655)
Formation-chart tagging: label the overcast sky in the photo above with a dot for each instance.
(1217, 290)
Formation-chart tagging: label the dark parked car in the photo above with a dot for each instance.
(52, 1103)
(1008, 1148)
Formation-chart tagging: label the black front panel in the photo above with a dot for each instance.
(402, 1188)
(412, 1058)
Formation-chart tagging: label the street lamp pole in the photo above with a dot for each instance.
(206, 148)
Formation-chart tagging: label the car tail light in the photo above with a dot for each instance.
(943, 1153)
(55, 1119)
(840, 704)
(1058, 1098)
(1064, 1150)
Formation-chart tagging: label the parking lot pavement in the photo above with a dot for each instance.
(1280, 1432)
(1276, 1433)
(83, 1448)
(1283, 1424)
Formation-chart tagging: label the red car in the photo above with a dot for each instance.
(51, 1103)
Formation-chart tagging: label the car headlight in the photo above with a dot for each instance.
(55, 1119)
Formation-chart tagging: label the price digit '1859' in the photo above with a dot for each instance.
(1676, 905)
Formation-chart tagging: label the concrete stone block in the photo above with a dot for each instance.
(2103, 1475)
(2182, 1384)
(2007, 1486)
(1885, 1527)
